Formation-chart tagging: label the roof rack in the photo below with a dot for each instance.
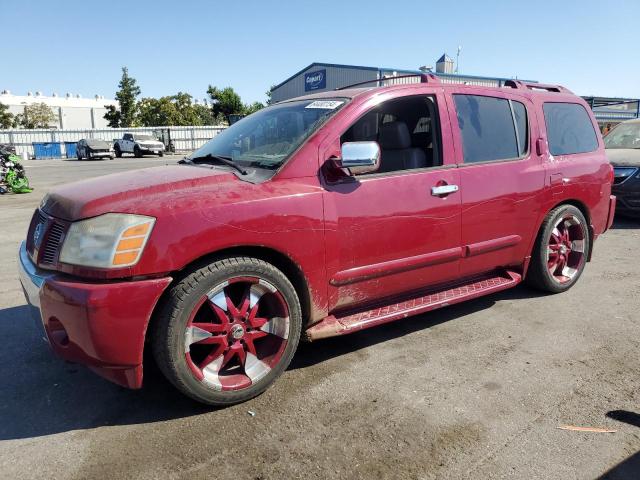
(519, 84)
(424, 78)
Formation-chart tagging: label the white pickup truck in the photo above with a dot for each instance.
(139, 144)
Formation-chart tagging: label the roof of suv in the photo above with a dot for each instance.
(529, 88)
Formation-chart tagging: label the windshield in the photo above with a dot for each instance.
(145, 138)
(625, 135)
(267, 137)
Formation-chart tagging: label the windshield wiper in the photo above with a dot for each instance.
(218, 158)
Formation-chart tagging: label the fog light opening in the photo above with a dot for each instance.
(57, 332)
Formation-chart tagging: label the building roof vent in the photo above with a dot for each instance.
(29, 94)
(78, 96)
(54, 94)
(6, 92)
(38, 93)
(68, 95)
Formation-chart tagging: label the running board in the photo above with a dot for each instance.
(428, 300)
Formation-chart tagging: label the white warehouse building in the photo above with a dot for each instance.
(72, 111)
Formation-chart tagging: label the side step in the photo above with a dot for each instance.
(427, 300)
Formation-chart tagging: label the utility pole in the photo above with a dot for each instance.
(458, 58)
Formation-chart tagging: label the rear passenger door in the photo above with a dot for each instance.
(501, 177)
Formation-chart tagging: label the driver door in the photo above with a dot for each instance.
(388, 233)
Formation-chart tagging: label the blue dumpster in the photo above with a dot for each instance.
(47, 150)
(70, 149)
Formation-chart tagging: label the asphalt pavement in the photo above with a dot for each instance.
(476, 390)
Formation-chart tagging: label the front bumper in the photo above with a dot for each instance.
(101, 325)
(628, 194)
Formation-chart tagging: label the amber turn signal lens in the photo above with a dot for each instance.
(136, 230)
(130, 243)
(125, 258)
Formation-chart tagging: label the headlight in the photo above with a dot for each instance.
(113, 240)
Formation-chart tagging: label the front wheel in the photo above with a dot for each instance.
(561, 250)
(228, 330)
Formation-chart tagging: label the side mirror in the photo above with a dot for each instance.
(360, 157)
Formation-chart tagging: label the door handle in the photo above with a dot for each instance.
(442, 190)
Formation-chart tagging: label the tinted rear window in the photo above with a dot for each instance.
(487, 128)
(569, 129)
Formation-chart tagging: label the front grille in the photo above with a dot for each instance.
(50, 251)
(622, 174)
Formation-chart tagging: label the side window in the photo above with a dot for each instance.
(407, 131)
(569, 129)
(488, 130)
(522, 126)
(128, 136)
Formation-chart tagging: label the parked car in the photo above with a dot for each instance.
(315, 217)
(94, 148)
(623, 149)
(139, 144)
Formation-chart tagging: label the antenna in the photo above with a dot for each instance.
(458, 58)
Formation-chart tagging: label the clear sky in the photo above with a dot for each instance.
(592, 47)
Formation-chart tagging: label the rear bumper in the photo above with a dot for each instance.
(101, 325)
(612, 211)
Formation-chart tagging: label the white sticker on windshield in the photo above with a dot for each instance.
(325, 104)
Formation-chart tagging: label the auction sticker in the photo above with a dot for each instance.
(325, 104)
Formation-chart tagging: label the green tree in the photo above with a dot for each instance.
(7, 119)
(36, 115)
(204, 115)
(127, 97)
(112, 116)
(177, 109)
(268, 94)
(225, 102)
(254, 107)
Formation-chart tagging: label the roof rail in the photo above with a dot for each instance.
(424, 78)
(519, 84)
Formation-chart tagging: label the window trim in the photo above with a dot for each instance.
(524, 156)
(433, 97)
(546, 129)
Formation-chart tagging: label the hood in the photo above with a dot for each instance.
(624, 157)
(149, 191)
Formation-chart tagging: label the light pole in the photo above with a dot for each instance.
(458, 58)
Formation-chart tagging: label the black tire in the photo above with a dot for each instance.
(78, 155)
(161, 154)
(185, 297)
(137, 152)
(118, 151)
(539, 275)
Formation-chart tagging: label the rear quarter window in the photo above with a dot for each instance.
(569, 129)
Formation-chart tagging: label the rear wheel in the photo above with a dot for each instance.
(161, 154)
(228, 330)
(561, 250)
(118, 151)
(137, 152)
(78, 155)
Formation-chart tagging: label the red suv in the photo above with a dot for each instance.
(315, 217)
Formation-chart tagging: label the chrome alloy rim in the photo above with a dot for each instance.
(237, 333)
(566, 249)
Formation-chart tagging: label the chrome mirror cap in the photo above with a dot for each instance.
(360, 157)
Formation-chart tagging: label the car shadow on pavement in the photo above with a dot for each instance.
(630, 467)
(316, 352)
(43, 395)
(625, 223)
